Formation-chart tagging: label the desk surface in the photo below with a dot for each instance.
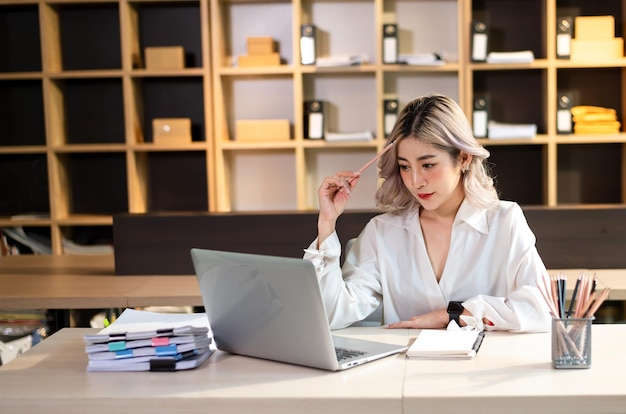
(512, 373)
(83, 282)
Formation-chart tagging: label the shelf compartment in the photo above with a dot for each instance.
(419, 32)
(595, 87)
(20, 44)
(24, 184)
(350, 99)
(165, 23)
(334, 37)
(406, 86)
(84, 239)
(593, 8)
(325, 162)
(519, 172)
(166, 97)
(96, 182)
(513, 25)
(515, 96)
(29, 239)
(93, 111)
(579, 183)
(184, 190)
(21, 113)
(236, 21)
(258, 98)
(262, 180)
(88, 36)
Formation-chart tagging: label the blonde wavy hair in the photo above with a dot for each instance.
(437, 121)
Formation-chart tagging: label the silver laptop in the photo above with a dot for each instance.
(271, 307)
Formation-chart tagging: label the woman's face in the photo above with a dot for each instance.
(430, 174)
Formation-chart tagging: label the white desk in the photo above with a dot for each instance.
(512, 373)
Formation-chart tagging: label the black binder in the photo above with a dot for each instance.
(314, 119)
(390, 43)
(564, 114)
(480, 116)
(390, 114)
(480, 41)
(308, 44)
(564, 30)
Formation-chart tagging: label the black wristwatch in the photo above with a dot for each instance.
(455, 309)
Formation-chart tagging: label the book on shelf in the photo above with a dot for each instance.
(150, 341)
(446, 344)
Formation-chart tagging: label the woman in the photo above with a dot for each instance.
(445, 248)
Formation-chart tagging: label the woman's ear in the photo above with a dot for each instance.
(465, 160)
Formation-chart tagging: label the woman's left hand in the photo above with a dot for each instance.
(432, 320)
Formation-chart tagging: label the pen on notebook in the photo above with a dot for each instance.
(373, 160)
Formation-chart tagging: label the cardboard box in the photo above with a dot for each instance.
(593, 50)
(253, 61)
(169, 57)
(262, 130)
(171, 130)
(594, 27)
(260, 45)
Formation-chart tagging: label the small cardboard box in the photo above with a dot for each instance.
(260, 45)
(594, 27)
(592, 50)
(262, 130)
(252, 61)
(171, 130)
(168, 57)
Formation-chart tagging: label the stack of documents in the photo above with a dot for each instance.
(524, 56)
(500, 130)
(341, 60)
(422, 59)
(349, 136)
(595, 120)
(150, 341)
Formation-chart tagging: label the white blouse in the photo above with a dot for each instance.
(493, 267)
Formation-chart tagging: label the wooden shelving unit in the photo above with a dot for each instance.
(76, 104)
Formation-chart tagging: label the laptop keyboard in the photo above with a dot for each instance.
(344, 353)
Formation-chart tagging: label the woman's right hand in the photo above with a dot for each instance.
(333, 194)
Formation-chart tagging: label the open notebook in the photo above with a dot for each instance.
(271, 307)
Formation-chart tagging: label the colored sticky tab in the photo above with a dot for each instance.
(165, 350)
(127, 353)
(168, 331)
(162, 341)
(117, 346)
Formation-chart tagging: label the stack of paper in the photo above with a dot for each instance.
(349, 136)
(595, 120)
(341, 60)
(422, 59)
(500, 130)
(438, 344)
(523, 56)
(150, 341)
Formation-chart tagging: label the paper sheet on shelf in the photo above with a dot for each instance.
(523, 56)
